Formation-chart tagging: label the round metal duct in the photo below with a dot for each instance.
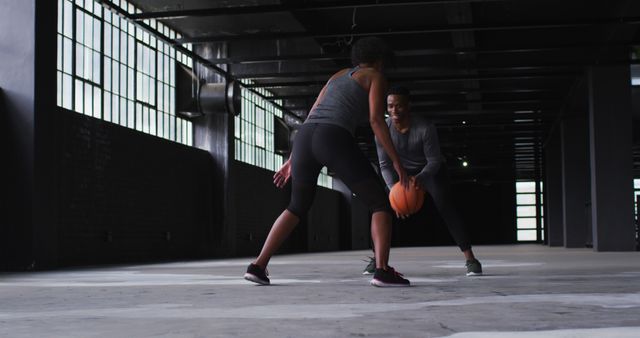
(220, 98)
(195, 98)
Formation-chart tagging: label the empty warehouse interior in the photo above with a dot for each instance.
(140, 136)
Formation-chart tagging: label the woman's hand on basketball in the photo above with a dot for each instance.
(281, 177)
(413, 184)
(402, 174)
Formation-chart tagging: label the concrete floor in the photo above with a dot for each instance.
(527, 291)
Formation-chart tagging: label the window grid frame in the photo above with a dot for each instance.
(122, 105)
(247, 130)
(538, 229)
(636, 192)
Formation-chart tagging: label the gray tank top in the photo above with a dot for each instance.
(345, 103)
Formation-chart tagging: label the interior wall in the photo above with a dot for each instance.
(488, 212)
(9, 195)
(127, 196)
(45, 180)
(357, 235)
(324, 224)
(258, 203)
(17, 69)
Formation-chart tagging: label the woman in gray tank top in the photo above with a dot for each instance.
(350, 97)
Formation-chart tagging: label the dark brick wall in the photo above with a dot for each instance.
(324, 224)
(126, 196)
(258, 203)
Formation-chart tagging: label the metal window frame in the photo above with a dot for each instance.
(537, 207)
(123, 118)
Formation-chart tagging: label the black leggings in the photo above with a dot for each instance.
(317, 145)
(439, 190)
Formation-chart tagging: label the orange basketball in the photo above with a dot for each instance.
(406, 201)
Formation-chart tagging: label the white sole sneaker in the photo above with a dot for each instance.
(381, 284)
(469, 274)
(253, 278)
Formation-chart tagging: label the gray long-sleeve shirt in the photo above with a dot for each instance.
(418, 148)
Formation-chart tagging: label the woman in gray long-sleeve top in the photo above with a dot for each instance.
(416, 140)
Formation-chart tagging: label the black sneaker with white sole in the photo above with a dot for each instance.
(474, 268)
(257, 274)
(388, 278)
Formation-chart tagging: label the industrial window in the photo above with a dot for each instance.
(636, 199)
(254, 133)
(529, 214)
(636, 193)
(112, 70)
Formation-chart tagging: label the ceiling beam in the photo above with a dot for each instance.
(428, 103)
(291, 7)
(411, 71)
(413, 31)
(438, 92)
(480, 112)
(423, 79)
(417, 104)
(252, 59)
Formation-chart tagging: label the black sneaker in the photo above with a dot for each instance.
(474, 268)
(257, 274)
(388, 278)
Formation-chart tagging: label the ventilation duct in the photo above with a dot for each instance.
(195, 97)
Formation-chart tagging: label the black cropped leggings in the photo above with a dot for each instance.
(317, 145)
